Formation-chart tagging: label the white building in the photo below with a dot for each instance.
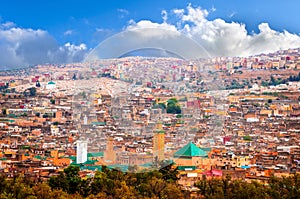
(81, 151)
(51, 85)
(55, 130)
(85, 120)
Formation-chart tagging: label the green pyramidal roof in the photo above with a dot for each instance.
(51, 82)
(190, 150)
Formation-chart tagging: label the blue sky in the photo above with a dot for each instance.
(84, 17)
(89, 22)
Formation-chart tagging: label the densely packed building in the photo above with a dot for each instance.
(207, 116)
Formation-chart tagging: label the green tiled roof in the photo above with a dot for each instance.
(95, 154)
(38, 157)
(73, 158)
(206, 149)
(12, 115)
(90, 162)
(149, 164)
(159, 131)
(183, 168)
(86, 163)
(190, 150)
(99, 123)
(51, 83)
(121, 167)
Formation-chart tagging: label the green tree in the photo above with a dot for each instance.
(68, 180)
(173, 106)
(4, 111)
(270, 101)
(52, 101)
(168, 171)
(32, 92)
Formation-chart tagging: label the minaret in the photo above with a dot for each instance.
(85, 120)
(81, 151)
(159, 142)
(110, 154)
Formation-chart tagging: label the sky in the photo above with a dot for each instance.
(63, 31)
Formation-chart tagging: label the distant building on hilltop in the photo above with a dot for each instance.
(51, 85)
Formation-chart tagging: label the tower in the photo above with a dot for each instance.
(110, 154)
(81, 151)
(85, 120)
(159, 142)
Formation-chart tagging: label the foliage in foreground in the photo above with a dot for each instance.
(160, 184)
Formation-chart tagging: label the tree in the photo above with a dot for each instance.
(270, 101)
(32, 91)
(168, 171)
(173, 106)
(52, 101)
(125, 191)
(68, 180)
(42, 190)
(132, 168)
(74, 76)
(247, 138)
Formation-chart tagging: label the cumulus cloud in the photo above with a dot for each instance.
(221, 38)
(179, 12)
(147, 35)
(20, 47)
(143, 24)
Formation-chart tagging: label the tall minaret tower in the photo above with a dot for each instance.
(159, 142)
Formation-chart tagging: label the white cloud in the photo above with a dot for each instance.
(164, 15)
(148, 24)
(213, 9)
(68, 32)
(195, 15)
(146, 34)
(8, 24)
(103, 30)
(232, 14)
(123, 12)
(21, 47)
(178, 12)
(221, 38)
